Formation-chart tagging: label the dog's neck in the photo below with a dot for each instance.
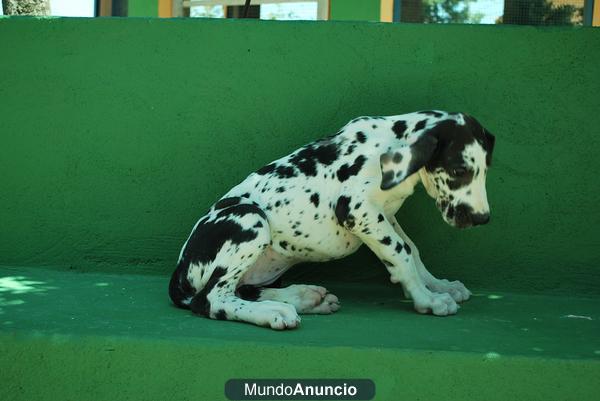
(429, 187)
(394, 198)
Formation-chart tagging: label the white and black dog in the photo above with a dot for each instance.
(321, 203)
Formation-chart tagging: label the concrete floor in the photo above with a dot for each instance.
(71, 322)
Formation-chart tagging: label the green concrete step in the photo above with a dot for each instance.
(69, 335)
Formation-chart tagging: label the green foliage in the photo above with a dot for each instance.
(446, 11)
(26, 7)
(540, 12)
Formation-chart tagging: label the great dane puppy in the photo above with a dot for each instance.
(322, 202)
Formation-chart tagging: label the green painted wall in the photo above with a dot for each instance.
(142, 8)
(355, 10)
(118, 134)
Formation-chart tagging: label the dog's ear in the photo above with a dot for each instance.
(399, 163)
(490, 140)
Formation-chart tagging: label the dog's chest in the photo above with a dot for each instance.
(326, 242)
(308, 229)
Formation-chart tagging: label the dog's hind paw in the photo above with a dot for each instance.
(329, 304)
(305, 298)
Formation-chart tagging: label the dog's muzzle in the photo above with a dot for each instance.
(465, 217)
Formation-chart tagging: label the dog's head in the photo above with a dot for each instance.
(452, 159)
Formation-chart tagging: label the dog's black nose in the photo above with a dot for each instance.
(480, 218)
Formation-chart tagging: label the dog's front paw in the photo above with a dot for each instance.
(455, 289)
(437, 304)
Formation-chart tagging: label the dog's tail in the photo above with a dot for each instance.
(181, 291)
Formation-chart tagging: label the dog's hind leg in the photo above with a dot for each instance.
(235, 237)
(305, 298)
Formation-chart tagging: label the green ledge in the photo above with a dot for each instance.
(108, 336)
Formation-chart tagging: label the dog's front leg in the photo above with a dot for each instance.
(377, 233)
(456, 289)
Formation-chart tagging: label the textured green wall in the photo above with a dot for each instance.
(355, 10)
(118, 134)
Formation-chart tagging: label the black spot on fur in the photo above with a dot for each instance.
(258, 224)
(285, 172)
(221, 315)
(345, 171)
(488, 146)
(307, 158)
(450, 212)
(422, 151)
(432, 113)
(462, 180)
(350, 150)
(180, 288)
(209, 237)
(420, 125)
(252, 293)
(379, 218)
(342, 210)
(200, 305)
(357, 205)
(407, 249)
(361, 137)
(399, 247)
(280, 189)
(249, 292)
(283, 244)
(226, 202)
(314, 198)
(452, 139)
(242, 210)
(386, 240)
(387, 179)
(399, 128)
(397, 157)
(269, 168)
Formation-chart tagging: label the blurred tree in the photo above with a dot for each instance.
(445, 11)
(540, 12)
(438, 11)
(26, 7)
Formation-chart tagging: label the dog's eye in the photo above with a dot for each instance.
(458, 172)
